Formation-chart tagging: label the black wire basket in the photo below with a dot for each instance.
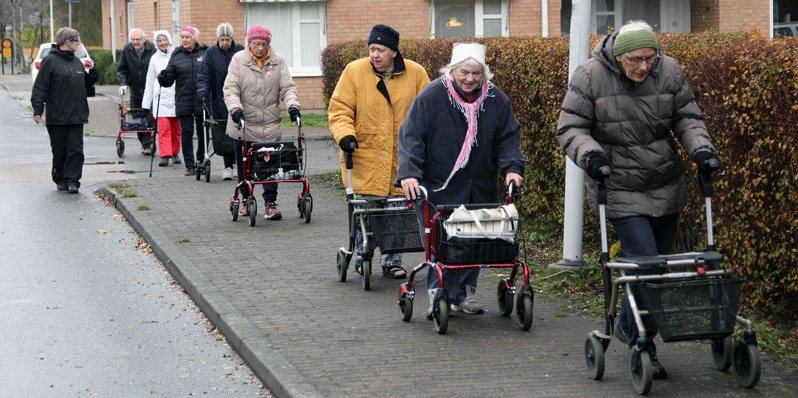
(695, 309)
(396, 231)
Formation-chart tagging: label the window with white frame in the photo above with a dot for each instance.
(469, 18)
(298, 32)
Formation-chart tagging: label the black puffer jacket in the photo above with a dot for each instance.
(183, 71)
(61, 85)
(131, 70)
(211, 78)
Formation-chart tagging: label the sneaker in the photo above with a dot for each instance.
(146, 151)
(659, 370)
(62, 186)
(242, 209)
(227, 174)
(176, 159)
(619, 334)
(73, 189)
(190, 172)
(164, 162)
(271, 212)
(470, 307)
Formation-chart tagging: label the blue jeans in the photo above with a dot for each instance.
(642, 236)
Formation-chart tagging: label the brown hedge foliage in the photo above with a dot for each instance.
(747, 86)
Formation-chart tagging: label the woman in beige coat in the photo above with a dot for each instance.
(257, 80)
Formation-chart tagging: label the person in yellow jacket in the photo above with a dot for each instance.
(365, 113)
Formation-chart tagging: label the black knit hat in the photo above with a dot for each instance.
(384, 35)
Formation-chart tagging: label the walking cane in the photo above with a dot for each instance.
(155, 131)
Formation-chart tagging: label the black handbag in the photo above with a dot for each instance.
(269, 159)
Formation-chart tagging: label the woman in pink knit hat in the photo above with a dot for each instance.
(257, 80)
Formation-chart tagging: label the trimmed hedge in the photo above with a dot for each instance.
(747, 86)
(107, 67)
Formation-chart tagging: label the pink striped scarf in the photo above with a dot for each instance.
(470, 111)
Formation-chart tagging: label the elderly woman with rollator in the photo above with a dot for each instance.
(459, 137)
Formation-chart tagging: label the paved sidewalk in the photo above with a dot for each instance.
(273, 291)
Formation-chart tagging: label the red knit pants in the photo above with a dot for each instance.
(168, 136)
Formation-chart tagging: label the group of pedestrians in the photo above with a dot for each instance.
(455, 135)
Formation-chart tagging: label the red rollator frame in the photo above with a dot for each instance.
(251, 179)
(125, 117)
(506, 289)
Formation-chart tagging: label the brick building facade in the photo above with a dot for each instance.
(344, 20)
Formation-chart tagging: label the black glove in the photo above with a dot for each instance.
(598, 167)
(162, 79)
(294, 113)
(706, 161)
(237, 115)
(348, 144)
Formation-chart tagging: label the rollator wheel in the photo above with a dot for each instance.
(341, 264)
(505, 298)
(747, 364)
(405, 304)
(120, 148)
(207, 171)
(594, 356)
(642, 372)
(366, 274)
(524, 307)
(198, 171)
(440, 312)
(308, 204)
(234, 204)
(722, 353)
(252, 210)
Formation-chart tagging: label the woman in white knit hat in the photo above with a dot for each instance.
(458, 138)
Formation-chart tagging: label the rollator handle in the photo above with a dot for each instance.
(705, 177)
(512, 192)
(348, 160)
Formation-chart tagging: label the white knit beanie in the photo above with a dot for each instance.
(464, 51)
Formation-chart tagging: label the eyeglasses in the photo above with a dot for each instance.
(77, 39)
(638, 60)
(260, 44)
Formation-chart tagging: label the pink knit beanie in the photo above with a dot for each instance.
(259, 32)
(194, 32)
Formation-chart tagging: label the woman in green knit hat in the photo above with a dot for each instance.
(624, 107)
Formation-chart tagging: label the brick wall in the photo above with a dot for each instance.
(730, 15)
(353, 19)
(526, 18)
(704, 15)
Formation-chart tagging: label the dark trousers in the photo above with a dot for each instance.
(642, 236)
(66, 142)
(221, 143)
(144, 138)
(187, 125)
(269, 189)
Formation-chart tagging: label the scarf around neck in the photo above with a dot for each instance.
(470, 110)
(262, 60)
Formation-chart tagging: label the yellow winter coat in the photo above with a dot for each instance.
(358, 108)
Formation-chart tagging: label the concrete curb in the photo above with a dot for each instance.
(269, 365)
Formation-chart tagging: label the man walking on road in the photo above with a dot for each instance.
(132, 75)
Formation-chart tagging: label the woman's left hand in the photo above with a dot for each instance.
(514, 177)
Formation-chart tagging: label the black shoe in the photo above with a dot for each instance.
(61, 186)
(190, 172)
(164, 162)
(659, 370)
(72, 189)
(619, 334)
(176, 159)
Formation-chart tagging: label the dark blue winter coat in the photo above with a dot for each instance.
(212, 73)
(182, 71)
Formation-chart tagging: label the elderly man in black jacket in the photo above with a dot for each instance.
(210, 82)
(132, 75)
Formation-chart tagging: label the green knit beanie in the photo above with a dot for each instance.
(634, 40)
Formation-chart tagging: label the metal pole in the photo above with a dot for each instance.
(113, 32)
(574, 176)
(70, 14)
(52, 27)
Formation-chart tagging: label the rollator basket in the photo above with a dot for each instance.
(694, 309)
(272, 157)
(478, 236)
(396, 231)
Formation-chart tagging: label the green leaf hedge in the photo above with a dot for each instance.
(747, 86)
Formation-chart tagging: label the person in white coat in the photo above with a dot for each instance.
(162, 101)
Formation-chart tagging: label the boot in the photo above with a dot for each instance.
(431, 294)
(470, 304)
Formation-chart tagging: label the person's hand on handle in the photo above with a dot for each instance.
(515, 178)
(37, 118)
(237, 115)
(348, 143)
(598, 167)
(294, 113)
(706, 161)
(410, 188)
(122, 90)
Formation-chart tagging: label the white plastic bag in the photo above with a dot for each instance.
(498, 223)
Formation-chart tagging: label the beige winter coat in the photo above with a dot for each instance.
(258, 93)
